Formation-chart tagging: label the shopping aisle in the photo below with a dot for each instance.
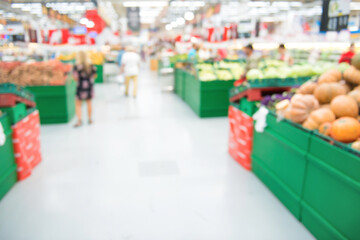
(148, 168)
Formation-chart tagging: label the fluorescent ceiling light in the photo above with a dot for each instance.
(258, 4)
(84, 21)
(168, 27)
(90, 24)
(187, 3)
(180, 21)
(189, 16)
(145, 3)
(173, 24)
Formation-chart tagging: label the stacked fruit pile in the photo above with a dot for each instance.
(223, 71)
(329, 105)
(40, 73)
(270, 69)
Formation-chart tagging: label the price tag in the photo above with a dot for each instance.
(2, 135)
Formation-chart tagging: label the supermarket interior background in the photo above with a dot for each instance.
(179, 119)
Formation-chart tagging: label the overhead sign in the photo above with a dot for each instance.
(335, 16)
(133, 18)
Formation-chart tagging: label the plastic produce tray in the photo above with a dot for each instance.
(9, 88)
(264, 83)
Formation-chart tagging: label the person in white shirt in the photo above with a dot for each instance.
(130, 66)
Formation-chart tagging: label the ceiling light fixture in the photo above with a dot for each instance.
(189, 16)
(180, 21)
(168, 27)
(84, 21)
(90, 24)
(145, 4)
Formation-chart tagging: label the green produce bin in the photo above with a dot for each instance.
(248, 107)
(16, 113)
(100, 73)
(179, 82)
(207, 99)
(279, 160)
(56, 104)
(331, 201)
(72, 61)
(7, 158)
(8, 180)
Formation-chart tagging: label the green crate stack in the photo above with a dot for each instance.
(8, 174)
(331, 201)
(100, 73)
(16, 113)
(56, 104)
(279, 160)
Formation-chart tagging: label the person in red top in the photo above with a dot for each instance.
(347, 56)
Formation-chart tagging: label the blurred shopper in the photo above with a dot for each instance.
(143, 53)
(130, 67)
(193, 52)
(252, 59)
(204, 53)
(347, 56)
(284, 55)
(119, 58)
(84, 74)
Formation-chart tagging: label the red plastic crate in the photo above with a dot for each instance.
(240, 137)
(26, 141)
(10, 100)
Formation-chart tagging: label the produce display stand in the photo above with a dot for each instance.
(8, 173)
(315, 177)
(206, 98)
(56, 104)
(100, 73)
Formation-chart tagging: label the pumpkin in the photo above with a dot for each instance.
(300, 107)
(355, 61)
(346, 86)
(352, 75)
(325, 106)
(325, 128)
(356, 145)
(355, 94)
(332, 75)
(319, 117)
(307, 88)
(345, 129)
(344, 106)
(327, 91)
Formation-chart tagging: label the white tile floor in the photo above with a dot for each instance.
(148, 168)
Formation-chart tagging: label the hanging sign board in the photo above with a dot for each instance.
(133, 18)
(335, 16)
